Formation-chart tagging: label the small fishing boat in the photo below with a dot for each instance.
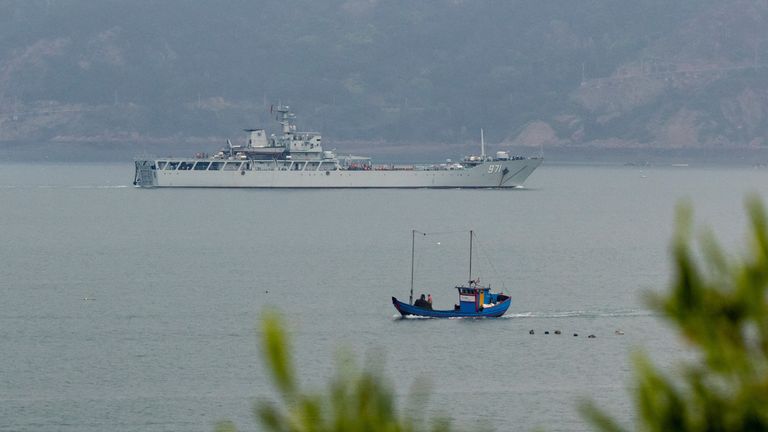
(475, 300)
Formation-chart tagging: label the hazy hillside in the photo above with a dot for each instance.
(398, 75)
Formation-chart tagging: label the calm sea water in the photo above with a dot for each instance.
(138, 310)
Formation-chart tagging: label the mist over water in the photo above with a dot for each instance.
(134, 310)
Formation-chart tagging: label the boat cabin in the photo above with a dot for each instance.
(474, 298)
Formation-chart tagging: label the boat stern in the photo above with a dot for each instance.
(145, 175)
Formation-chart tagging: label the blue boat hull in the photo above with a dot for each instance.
(492, 312)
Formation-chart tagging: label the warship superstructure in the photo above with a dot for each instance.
(296, 159)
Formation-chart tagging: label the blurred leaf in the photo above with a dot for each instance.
(276, 352)
(226, 426)
(722, 310)
(600, 419)
(356, 400)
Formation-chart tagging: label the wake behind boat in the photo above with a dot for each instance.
(296, 159)
(475, 300)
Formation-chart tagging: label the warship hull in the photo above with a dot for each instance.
(491, 174)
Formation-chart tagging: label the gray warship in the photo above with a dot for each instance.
(296, 159)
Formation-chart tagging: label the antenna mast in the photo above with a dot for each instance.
(482, 145)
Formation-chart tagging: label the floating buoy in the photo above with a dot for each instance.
(557, 331)
(575, 334)
(266, 292)
(591, 336)
(546, 332)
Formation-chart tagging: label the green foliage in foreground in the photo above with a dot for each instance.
(354, 401)
(721, 309)
(719, 305)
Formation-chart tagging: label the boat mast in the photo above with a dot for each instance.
(413, 249)
(470, 255)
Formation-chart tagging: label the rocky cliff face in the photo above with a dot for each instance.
(650, 74)
(705, 85)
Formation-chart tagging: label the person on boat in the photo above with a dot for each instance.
(422, 303)
(429, 299)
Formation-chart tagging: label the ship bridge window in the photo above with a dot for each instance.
(161, 165)
(201, 166)
(232, 166)
(216, 166)
(186, 166)
(172, 166)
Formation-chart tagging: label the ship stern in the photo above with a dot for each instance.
(145, 175)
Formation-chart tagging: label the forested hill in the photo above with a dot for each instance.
(403, 74)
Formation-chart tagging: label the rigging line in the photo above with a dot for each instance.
(442, 232)
(490, 263)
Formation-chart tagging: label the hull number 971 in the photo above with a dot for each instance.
(494, 168)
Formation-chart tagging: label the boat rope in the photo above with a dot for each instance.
(442, 232)
(482, 249)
